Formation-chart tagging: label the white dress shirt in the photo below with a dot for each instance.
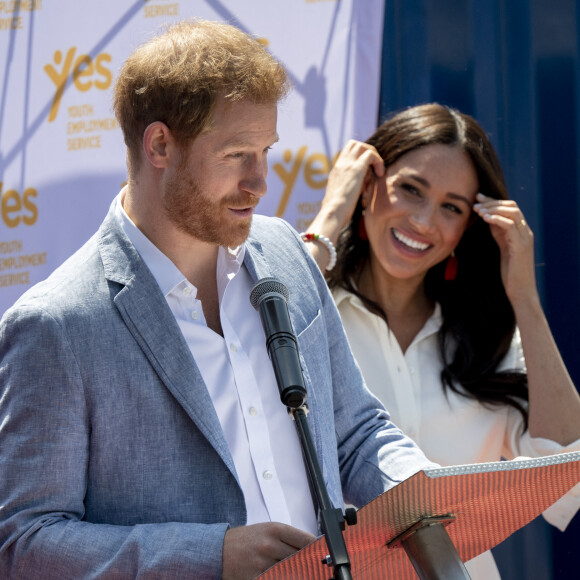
(241, 382)
(449, 428)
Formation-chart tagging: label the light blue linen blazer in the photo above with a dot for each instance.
(113, 463)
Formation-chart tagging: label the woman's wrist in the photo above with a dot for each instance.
(527, 307)
(324, 241)
(329, 223)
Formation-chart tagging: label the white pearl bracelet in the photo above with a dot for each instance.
(308, 237)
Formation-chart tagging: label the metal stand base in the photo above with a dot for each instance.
(431, 550)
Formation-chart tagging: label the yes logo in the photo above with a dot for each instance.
(84, 71)
(16, 209)
(315, 169)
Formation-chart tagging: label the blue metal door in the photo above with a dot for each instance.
(514, 66)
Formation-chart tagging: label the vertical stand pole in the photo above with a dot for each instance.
(332, 520)
(432, 552)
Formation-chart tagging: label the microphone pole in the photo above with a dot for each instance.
(270, 297)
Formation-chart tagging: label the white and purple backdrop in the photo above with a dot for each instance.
(62, 157)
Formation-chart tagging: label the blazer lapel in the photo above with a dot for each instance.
(255, 262)
(148, 317)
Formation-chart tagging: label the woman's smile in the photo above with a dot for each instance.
(409, 243)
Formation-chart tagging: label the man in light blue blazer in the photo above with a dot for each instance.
(128, 448)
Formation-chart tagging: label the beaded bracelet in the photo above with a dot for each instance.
(307, 237)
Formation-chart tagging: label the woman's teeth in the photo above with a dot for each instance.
(413, 244)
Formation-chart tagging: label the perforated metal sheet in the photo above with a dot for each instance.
(490, 501)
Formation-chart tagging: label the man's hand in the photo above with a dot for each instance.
(250, 550)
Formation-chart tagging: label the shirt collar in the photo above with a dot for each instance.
(165, 272)
(432, 325)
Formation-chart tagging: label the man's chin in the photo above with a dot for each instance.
(226, 234)
(238, 237)
(233, 236)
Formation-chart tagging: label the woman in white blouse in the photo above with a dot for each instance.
(436, 288)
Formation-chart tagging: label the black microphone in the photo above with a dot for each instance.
(270, 297)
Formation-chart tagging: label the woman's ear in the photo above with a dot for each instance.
(368, 188)
(158, 143)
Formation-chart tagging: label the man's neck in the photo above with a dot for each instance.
(195, 259)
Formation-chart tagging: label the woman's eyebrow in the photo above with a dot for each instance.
(459, 197)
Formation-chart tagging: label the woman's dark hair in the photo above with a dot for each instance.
(478, 320)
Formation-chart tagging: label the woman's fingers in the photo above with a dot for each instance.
(505, 214)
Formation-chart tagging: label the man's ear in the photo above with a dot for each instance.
(158, 144)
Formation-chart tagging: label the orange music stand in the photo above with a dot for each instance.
(481, 505)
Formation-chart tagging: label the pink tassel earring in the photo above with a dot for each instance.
(451, 267)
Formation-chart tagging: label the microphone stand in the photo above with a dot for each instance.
(270, 297)
(332, 520)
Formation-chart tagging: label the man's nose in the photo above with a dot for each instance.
(254, 179)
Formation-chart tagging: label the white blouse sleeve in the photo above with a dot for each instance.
(560, 513)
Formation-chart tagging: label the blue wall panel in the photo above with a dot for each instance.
(514, 65)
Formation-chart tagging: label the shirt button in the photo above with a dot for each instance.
(187, 291)
(233, 347)
(253, 411)
(267, 475)
(194, 315)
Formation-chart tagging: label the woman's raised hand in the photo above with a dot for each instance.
(347, 177)
(516, 242)
(357, 161)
